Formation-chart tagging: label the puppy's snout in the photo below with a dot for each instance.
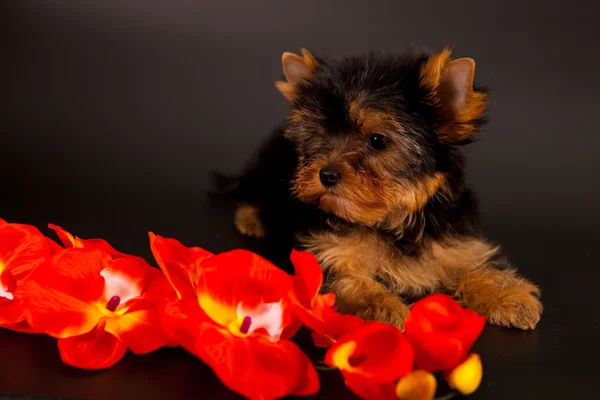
(330, 176)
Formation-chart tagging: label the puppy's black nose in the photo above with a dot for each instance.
(329, 176)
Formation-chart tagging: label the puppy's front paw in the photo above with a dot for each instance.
(386, 308)
(517, 307)
(247, 221)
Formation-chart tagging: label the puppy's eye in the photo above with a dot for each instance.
(378, 141)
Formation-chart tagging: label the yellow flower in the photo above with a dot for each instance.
(418, 385)
(466, 377)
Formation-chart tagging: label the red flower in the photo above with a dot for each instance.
(441, 332)
(22, 249)
(318, 311)
(180, 264)
(70, 241)
(239, 320)
(97, 306)
(372, 359)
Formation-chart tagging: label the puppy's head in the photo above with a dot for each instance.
(373, 132)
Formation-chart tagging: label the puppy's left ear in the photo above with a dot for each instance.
(296, 69)
(450, 83)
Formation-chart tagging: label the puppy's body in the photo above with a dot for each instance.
(367, 174)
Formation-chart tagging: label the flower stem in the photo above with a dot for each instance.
(447, 396)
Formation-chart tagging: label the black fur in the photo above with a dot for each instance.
(389, 84)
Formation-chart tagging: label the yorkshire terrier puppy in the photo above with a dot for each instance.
(367, 174)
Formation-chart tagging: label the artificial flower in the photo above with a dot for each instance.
(372, 359)
(180, 264)
(71, 241)
(23, 248)
(418, 385)
(97, 306)
(441, 332)
(318, 311)
(466, 377)
(239, 320)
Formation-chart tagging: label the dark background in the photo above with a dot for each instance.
(112, 113)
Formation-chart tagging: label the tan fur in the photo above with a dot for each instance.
(288, 87)
(432, 69)
(364, 198)
(459, 125)
(370, 121)
(365, 270)
(352, 261)
(247, 221)
(287, 90)
(374, 197)
(505, 298)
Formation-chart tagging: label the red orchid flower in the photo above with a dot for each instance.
(372, 359)
(70, 241)
(441, 332)
(23, 248)
(180, 264)
(318, 311)
(234, 314)
(98, 306)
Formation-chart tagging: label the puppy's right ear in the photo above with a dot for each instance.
(295, 69)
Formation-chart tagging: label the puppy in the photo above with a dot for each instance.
(368, 175)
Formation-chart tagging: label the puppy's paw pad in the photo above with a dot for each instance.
(247, 221)
(519, 308)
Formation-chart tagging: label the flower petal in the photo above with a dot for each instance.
(241, 277)
(141, 327)
(157, 287)
(11, 312)
(21, 326)
(328, 325)
(310, 384)
(123, 278)
(267, 316)
(466, 377)
(253, 368)
(65, 237)
(76, 272)
(96, 349)
(53, 246)
(22, 249)
(59, 297)
(369, 389)
(377, 351)
(57, 313)
(248, 265)
(8, 285)
(180, 264)
(181, 319)
(441, 332)
(141, 330)
(418, 385)
(308, 276)
(70, 241)
(256, 280)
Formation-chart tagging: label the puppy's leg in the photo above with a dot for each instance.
(491, 288)
(365, 297)
(262, 190)
(248, 222)
(353, 263)
(505, 298)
